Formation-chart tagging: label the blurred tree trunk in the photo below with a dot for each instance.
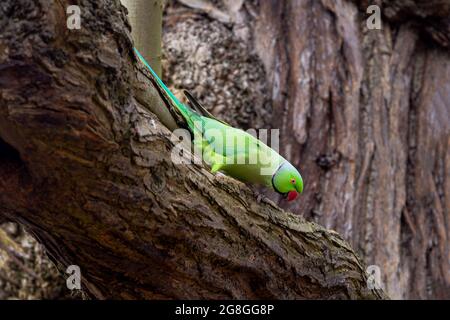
(365, 114)
(87, 169)
(145, 17)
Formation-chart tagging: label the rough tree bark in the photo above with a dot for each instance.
(87, 169)
(365, 115)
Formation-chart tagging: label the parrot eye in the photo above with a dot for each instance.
(293, 181)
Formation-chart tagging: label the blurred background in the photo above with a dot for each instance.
(363, 112)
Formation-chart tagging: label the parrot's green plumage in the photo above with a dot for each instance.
(234, 151)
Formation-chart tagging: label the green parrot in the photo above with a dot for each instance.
(233, 151)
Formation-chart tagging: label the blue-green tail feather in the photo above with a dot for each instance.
(184, 110)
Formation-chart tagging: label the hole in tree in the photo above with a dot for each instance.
(11, 163)
(8, 153)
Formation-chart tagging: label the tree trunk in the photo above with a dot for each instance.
(365, 115)
(87, 169)
(145, 17)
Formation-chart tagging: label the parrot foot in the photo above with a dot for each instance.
(262, 198)
(219, 174)
(259, 198)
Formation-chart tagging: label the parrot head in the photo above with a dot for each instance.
(287, 181)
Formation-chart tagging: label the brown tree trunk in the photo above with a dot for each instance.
(87, 169)
(365, 115)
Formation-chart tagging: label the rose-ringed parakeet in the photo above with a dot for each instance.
(231, 150)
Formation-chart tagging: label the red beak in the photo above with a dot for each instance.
(292, 195)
